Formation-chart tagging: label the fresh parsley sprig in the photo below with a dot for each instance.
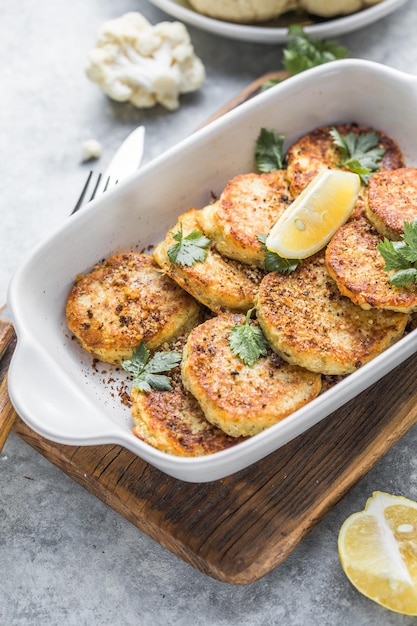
(401, 256)
(359, 153)
(275, 263)
(302, 52)
(269, 154)
(271, 82)
(247, 341)
(189, 249)
(148, 373)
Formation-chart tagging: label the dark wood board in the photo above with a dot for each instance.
(239, 528)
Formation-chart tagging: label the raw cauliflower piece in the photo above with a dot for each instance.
(145, 64)
(242, 11)
(91, 149)
(329, 8)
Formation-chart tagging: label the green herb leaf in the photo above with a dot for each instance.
(247, 341)
(147, 374)
(189, 249)
(401, 256)
(391, 253)
(275, 263)
(409, 250)
(302, 53)
(404, 278)
(269, 154)
(269, 83)
(359, 153)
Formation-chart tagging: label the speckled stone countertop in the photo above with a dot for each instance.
(67, 558)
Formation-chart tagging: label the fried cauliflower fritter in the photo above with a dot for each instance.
(392, 200)
(309, 323)
(173, 422)
(249, 205)
(357, 267)
(124, 301)
(218, 283)
(316, 151)
(239, 399)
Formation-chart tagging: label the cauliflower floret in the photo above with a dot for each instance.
(243, 10)
(144, 64)
(91, 149)
(246, 11)
(329, 8)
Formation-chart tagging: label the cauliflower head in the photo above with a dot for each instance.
(250, 11)
(243, 10)
(144, 64)
(329, 8)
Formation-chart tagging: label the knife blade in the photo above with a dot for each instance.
(125, 161)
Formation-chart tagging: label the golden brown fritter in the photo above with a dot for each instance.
(124, 301)
(392, 200)
(239, 399)
(316, 151)
(218, 283)
(357, 267)
(173, 422)
(309, 323)
(249, 205)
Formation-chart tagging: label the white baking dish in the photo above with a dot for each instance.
(51, 382)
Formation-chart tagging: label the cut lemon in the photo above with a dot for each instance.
(309, 223)
(378, 551)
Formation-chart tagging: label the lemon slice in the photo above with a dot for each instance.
(309, 223)
(378, 551)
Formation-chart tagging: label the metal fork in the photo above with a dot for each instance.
(84, 197)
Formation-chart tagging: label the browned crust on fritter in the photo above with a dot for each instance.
(218, 283)
(249, 205)
(173, 422)
(309, 323)
(239, 399)
(316, 151)
(124, 301)
(392, 200)
(357, 266)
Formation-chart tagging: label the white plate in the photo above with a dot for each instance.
(51, 382)
(269, 34)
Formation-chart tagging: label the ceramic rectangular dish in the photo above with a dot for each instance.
(51, 382)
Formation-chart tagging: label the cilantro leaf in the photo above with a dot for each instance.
(359, 153)
(189, 249)
(409, 250)
(269, 154)
(275, 263)
(391, 253)
(138, 361)
(403, 278)
(147, 374)
(269, 83)
(401, 256)
(248, 341)
(302, 53)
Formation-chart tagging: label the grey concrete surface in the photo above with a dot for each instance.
(65, 557)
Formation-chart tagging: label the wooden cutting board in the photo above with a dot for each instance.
(239, 528)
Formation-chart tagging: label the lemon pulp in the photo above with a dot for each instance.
(378, 551)
(309, 223)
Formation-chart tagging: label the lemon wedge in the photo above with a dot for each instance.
(378, 551)
(309, 223)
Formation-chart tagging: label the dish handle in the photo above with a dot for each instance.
(51, 403)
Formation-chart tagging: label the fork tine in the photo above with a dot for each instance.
(82, 195)
(81, 200)
(95, 188)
